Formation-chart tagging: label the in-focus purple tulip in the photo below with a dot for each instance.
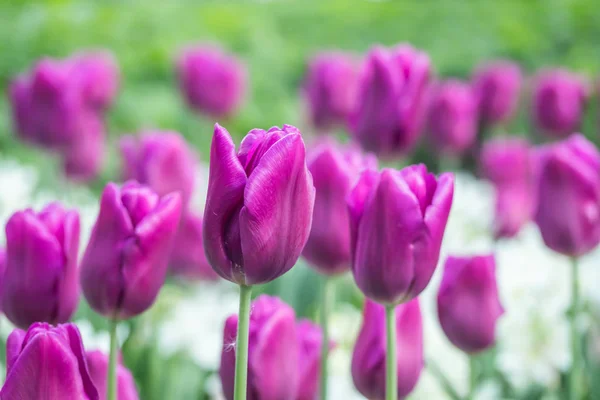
(259, 205)
(212, 81)
(272, 354)
(468, 303)
(161, 160)
(98, 366)
(47, 363)
(568, 211)
(397, 222)
(125, 262)
(497, 87)
(335, 169)
(452, 117)
(559, 99)
(391, 100)
(369, 356)
(330, 89)
(187, 258)
(40, 282)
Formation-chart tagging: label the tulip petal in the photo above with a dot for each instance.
(14, 345)
(68, 291)
(76, 345)
(357, 199)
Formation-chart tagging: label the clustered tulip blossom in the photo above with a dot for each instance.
(496, 86)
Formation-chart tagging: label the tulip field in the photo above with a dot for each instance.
(277, 200)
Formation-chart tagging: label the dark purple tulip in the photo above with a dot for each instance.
(98, 366)
(397, 222)
(330, 89)
(368, 358)
(335, 170)
(273, 352)
(391, 100)
(212, 81)
(259, 205)
(497, 87)
(568, 212)
(40, 281)
(452, 117)
(187, 258)
(47, 363)
(125, 263)
(559, 99)
(468, 303)
(310, 337)
(161, 160)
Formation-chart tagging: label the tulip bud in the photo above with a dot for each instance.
(259, 205)
(330, 89)
(496, 87)
(47, 363)
(391, 100)
(40, 281)
(187, 258)
(468, 303)
(98, 367)
(273, 352)
(369, 356)
(397, 222)
(559, 100)
(335, 169)
(452, 118)
(161, 160)
(125, 263)
(568, 212)
(211, 81)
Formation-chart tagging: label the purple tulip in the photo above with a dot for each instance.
(330, 89)
(98, 366)
(83, 160)
(2, 271)
(568, 212)
(161, 160)
(212, 81)
(559, 100)
(100, 74)
(259, 205)
(468, 303)
(272, 355)
(47, 363)
(452, 117)
(40, 281)
(310, 338)
(397, 222)
(391, 100)
(369, 356)
(187, 258)
(335, 170)
(496, 87)
(125, 263)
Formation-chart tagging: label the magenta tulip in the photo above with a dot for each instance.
(98, 366)
(497, 87)
(310, 337)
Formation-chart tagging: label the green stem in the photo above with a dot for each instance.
(241, 347)
(326, 301)
(443, 380)
(111, 385)
(391, 380)
(574, 376)
(472, 375)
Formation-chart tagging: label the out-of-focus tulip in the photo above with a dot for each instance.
(568, 212)
(397, 221)
(2, 269)
(391, 100)
(161, 160)
(187, 258)
(468, 303)
(83, 160)
(259, 205)
(559, 99)
(497, 87)
(452, 117)
(310, 337)
(273, 352)
(125, 263)
(47, 363)
(40, 281)
(335, 170)
(369, 356)
(100, 75)
(98, 367)
(212, 81)
(330, 89)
